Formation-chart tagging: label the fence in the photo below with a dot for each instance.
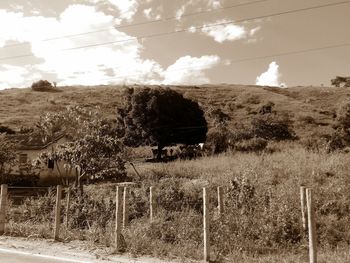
(62, 213)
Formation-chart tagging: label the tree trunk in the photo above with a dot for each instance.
(159, 153)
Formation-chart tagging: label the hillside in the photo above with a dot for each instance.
(22, 107)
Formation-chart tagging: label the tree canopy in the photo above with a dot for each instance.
(160, 116)
(7, 155)
(92, 143)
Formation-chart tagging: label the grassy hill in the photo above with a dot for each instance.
(311, 108)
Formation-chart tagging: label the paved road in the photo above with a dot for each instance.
(12, 256)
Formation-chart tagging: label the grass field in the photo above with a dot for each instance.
(262, 221)
(311, 108)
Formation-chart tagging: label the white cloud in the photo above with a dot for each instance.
(227, 32)
(15, 77)
(271, 77)
(149, 14)
(180, 12)
(83, 65)
(192, 29)
(127, 8)
(118, 62)
(254, 30)
(214, 4)
(190, 70)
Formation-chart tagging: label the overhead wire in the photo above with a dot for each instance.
(293, 52)
(187, 30)
(143, 23)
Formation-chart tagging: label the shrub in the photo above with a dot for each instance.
(42, 85)
(251, 145)
(343, 115)
(307, 120)
(7, 130)
(272, 127)
(266, 108)
(252, 99)
(218, 141)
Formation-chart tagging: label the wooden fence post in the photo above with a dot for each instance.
(311, 227)
(151, 203)
(118, 219)
(125, 207)
(221, 208)
(303, 206)
(58, 212)
(206, 225)
(67, 207)
(3, 208)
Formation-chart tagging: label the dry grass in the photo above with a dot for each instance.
(262, 223)
(22, 107)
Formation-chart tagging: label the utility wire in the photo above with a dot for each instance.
(187, 30)
(143, 23)
(294, 52)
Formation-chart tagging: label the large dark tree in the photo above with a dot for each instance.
(160, 116)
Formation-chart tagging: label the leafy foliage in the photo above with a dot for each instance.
(160, 117)
(272, 127)
(340, 138)
(7, 155)
(7, 130)
(43, 85)
(92, 145)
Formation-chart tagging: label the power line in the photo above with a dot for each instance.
(245, 59)
(291, 52)
(187, 30)
(143, 23)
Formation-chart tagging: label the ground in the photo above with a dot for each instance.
(311, 108)
(73, 250)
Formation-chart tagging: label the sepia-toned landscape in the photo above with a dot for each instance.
(158, 131)
(259, 176)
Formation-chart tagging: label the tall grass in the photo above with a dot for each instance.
(262, 219)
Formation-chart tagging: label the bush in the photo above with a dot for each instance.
(218, 141)
(307, 120)
(7, 130)
(251, 145)
(43, 85)
(272, 127)
(343, 115)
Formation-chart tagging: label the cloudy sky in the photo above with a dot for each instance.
(89, 42)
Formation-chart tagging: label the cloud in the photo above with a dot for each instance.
(179, 13)
(116, 62)
(271, 77)
(15, 77)
(87, 66)
(127, 8)
(190, 70)
(221, 33)
(214, 4)
(254, 30)
(149, 14)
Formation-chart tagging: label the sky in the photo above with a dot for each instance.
(180, 42)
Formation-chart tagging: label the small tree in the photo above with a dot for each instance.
(340, 138)
(271, 126)
(341, 81)
(92, 147)
(7, 155)
(160, 117)
(6, 130)
(43, 85)
(218, 138)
